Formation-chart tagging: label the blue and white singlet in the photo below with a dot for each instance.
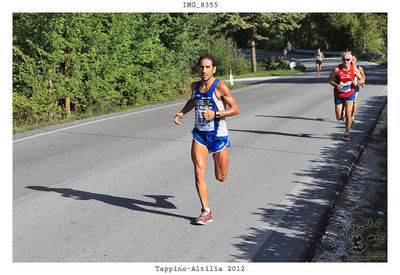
(209, 99)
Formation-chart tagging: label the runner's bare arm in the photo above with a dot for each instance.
(187, 108)
(362, 83)
(224, 93)
(332, 76)
(360, 77)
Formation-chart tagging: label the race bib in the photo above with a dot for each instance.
(201, 123)
(346, 87)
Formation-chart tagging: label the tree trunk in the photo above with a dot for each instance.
(253, 52)
(67, 98)
(51, 107)
(67, 77)
(67, 106)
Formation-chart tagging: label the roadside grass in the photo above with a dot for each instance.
(235, 86)
(263, 74)
(382, 62)
(115, 109)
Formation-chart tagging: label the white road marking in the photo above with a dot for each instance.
(92, 122)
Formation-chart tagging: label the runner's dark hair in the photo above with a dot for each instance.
(207, 56)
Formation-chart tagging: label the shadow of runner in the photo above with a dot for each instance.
(294, 117)
(161, 201)
(260, 132)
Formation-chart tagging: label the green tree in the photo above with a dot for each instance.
(370, 33)
(34, 66)
(260, 26)
(360, 32)
(71, 63)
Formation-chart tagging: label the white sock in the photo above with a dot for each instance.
(207, 210)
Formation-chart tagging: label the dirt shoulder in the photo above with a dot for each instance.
(357, 228)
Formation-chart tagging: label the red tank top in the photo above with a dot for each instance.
(345, 78)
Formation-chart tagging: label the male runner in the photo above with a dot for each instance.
(284, 51)
(342, 79)
(319, 56)
(210, 134)
(357, 87)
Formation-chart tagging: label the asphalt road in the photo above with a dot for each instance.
(120, 188)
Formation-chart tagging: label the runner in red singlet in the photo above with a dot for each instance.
(342, 79)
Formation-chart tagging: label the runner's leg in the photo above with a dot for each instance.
(339, 111)
(221, 161)
(349, 110)
(199, 158)
(355, 105)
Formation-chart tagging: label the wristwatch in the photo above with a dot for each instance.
(217, 115)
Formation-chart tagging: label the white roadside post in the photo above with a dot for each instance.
(231, 76)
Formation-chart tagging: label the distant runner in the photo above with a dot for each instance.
(342, 79)
(319, 56)
(357, 87)
(210, 134)
(284, 53)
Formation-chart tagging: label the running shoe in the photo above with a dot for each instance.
(353, 120)
(346, 137)
(204, 218)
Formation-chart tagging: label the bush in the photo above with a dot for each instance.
(225, 55)
(103, 60)
(301, 68)
(240, 65)
(283, 65)
(268, 63)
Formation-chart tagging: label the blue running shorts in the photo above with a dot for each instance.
(351, 97)
(213, 143)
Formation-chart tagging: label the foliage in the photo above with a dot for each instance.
(260, 27)
(271, 63)
(263, 26)
(99, 60)
(105, 60)
(359, 32)
(226, 55)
